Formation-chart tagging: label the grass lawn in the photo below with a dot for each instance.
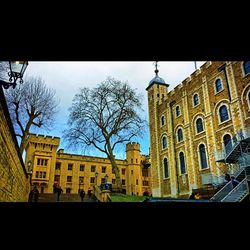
(127, 198)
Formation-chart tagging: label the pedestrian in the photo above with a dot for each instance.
(34, 195)
(55, 187)
(240, 133)
(89, 193)
(234, 181)
(59, 191)
(192, 196)
(82, 194)
(197, 196)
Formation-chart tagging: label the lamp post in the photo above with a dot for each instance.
(30, 170)
(17, 69)
(106, 178)
(96, 175)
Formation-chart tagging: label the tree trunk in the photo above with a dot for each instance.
(24, 142)
(117, 172)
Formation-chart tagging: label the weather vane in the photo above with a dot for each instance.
(156, 69)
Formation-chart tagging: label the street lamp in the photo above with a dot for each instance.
(96, 175)
(17, 69)
(106, 178)
(29, 172)
(29, 167)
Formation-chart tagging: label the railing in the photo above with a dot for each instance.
(244, 160)
(246, 132)
(109, 198)
(242, 188)
(229, 147)
(219, 155)
(221, 194)
(102, 195)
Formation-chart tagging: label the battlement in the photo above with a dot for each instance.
(198, 77)
(132, 146)
(38, 138)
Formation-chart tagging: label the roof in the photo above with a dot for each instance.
(157, 79)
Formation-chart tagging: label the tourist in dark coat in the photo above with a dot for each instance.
(82, 194)
(34, 195)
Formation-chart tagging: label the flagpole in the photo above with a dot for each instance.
(195, 65)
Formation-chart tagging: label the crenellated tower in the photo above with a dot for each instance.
(41, 151)
(134, 173)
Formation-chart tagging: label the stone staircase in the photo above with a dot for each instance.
(63, 198)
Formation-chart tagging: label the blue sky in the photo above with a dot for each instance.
(67, 77)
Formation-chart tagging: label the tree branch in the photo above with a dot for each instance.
(17, 116)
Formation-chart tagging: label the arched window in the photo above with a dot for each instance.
(223, 113)
(227, 143)
(246, 66)
(182, 163)
(196, 99)
(199, 125)
(218, 85)
(180, 135)
(162, 120)
(203, 157)
(165, 162)
(178, 111)
(164, 142)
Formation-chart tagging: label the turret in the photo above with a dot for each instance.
(157, 92)
(41, 152)
(134, 175)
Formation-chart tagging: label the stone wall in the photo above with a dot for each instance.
(14, 181)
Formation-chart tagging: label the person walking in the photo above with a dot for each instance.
(192, 196)
(234, 181)
(59, 191)
(34, 195)
(82, 194)
(89, 193)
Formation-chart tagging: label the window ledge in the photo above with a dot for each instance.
(221, 123)
(203, 169)
(200, 132)
(165, 179)
(246, 75)
(180, 175)
(195, 106)
(216, 93)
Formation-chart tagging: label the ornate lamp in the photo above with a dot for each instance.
(96, 175)
(30, 167)
(17, 69)
(106, 178)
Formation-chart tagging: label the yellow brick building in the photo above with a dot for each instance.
(190, 125)
(74, 172)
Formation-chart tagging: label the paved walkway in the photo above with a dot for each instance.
(63, 198)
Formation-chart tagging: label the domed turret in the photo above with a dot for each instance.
(157, 79)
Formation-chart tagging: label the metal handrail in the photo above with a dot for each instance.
(243, 184)
(223, 192)
(241, 135)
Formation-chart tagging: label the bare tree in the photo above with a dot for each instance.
(31, 104)
(104, 117)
